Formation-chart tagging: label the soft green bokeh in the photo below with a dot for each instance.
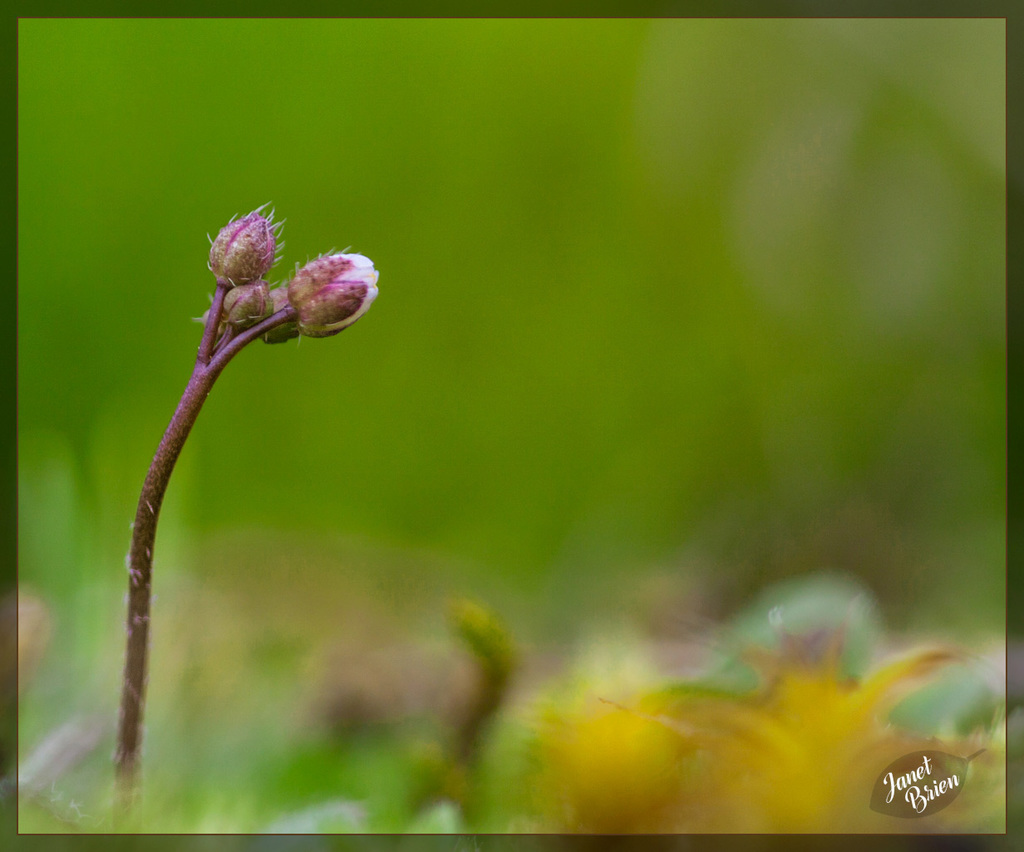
(668, 310)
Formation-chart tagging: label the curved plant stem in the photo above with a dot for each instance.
(140, 557)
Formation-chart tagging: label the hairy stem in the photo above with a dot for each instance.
(140, 556)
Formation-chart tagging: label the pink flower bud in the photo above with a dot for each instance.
(332, 292)
(244, 249)
(247, 304)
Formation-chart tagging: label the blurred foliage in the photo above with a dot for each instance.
(670, 310)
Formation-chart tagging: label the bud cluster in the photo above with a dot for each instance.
(328, 294)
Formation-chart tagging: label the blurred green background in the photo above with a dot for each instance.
(669, 311)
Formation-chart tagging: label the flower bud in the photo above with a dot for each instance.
(287, 331)
(244, 249)
(332, 292)
(247, 304)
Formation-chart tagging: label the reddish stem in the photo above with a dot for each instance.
(140, 556)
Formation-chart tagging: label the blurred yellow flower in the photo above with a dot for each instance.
(801, 753)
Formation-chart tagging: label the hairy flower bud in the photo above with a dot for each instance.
(247, 304)
(281, 333)
(332, 292)
(244, 249)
